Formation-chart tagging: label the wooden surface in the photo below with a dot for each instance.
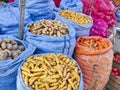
(113, 84)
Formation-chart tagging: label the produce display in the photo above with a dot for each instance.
(76, 17)
(50, 72)
(9, 49)
(74, 33)
(117, 58)
(93, 43)
(116, 72)
(48, 27)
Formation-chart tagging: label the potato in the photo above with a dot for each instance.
(9, 46)
(8, 52)
(13, 42)
(9, 49)
(18, 51)
(7, 40)
(15, 46)
(3, 45)
(15, 55)
(3, 55)
(21, 47)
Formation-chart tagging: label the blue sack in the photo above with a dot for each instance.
(117, 16)
(39, 9)
(9, 19)
(73, 5)
(51, 44)
(22, 86)
(81, 29)
(8, 68)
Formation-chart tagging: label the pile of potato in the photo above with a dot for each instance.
(48, 27)
(75, 17)
(9, 49)
(50, 72)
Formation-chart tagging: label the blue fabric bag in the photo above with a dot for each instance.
(117, 16)
(73, 5)
(9, 19)
(39, 9)
(8, 68)
(81, 29)
(22, 86)
(51, 44)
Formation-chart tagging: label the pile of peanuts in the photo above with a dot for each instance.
(76, 17)
(51, 72)
(48, 27)
(9, 49)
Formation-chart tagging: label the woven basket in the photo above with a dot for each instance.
(114, 83)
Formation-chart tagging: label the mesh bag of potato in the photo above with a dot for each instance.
(81, 23)
(12, 52)
(94, 55)
(50, 36)
(49, 72)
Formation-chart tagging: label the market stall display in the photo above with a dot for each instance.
(81, 22)
(42, 59)
(9, 65)
(94, 55)
(51, 72)
(63, 43)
